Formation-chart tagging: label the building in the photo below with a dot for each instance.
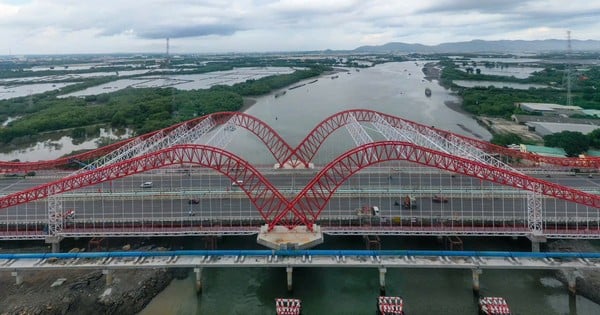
(549, 109)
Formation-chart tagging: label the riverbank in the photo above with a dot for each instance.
(82, 291)
(588, 281)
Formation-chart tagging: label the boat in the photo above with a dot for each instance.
(288, 306)
(390, 305)
(280, 93)
(297, 86)
(427, 92)
(493, 306)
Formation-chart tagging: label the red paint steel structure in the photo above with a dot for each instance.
(308, 147)
(307, 206)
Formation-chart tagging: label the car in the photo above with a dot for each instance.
(237, 183)
(193, 201)
(146, 185)
(70, 214)
(439, 199)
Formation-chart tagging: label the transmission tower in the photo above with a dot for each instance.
(569, 97)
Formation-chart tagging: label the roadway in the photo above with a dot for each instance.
(123, 200)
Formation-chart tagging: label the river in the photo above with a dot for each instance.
(397, 89)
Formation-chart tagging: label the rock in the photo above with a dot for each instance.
(58, 282)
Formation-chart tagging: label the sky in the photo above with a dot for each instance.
(217, 26)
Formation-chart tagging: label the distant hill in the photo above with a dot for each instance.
(480, 46)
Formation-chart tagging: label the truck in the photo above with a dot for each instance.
(368, 211)
(407, 202)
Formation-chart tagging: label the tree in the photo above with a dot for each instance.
(594, 138)
(573, 142)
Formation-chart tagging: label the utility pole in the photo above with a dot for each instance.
(569, 97)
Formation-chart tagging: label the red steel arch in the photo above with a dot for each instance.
(314, 197)
(309, 146)
(265, 197)
(272, 140)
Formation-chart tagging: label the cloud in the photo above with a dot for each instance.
(37, 26)
(187, 31)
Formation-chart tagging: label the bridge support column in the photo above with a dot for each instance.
(572, 282)
(18, 277)
(54, 241)
(198, 272)
(536, 240)
(382, 272)
(109, 276)
(476, 273)
(289, 271)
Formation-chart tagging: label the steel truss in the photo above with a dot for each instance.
(310, 144)
(263, 195)
(314, 197)
(429, 138)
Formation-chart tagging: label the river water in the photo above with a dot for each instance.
(397, 89)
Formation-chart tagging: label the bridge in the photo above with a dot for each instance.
(570, 262)
(200, 185)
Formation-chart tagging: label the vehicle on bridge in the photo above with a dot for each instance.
(368, 211)
(439, 199)
(68, 215)
(407, 202)
(193, 201)
(146, 185)
(493, 306)
(237, 183)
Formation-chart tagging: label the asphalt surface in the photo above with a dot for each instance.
(171, 192)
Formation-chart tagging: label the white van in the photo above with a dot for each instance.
(237, 183)
(146, 185)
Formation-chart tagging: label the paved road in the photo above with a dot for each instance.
(124, 199)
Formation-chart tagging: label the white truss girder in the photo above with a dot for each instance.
(56, 218)
(458, 147)
(222, 137)
(357, 132)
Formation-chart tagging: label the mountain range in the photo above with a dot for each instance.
(481, 46)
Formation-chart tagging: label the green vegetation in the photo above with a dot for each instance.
(573, 142)
(142, 110)
(499, 102)
(506, 139)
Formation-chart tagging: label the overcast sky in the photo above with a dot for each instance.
(206, 26)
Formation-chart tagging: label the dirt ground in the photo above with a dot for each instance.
(500, 125)
(83, 292)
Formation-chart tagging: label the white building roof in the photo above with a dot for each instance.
(547, 106)
(546, 128)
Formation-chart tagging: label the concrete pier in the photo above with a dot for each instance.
(289, 271)
(54, 241)
(109, 276)
(382, 272)
(476, 273)
(18, 277)
(198, 272)
(572, 282)
(536, 240)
